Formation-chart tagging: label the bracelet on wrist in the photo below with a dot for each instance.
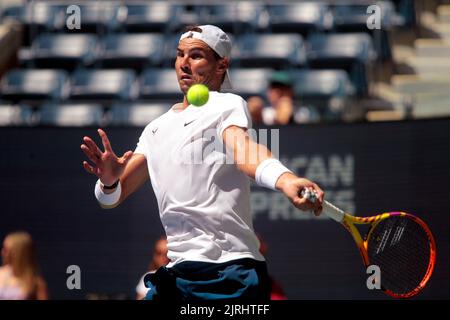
(111, 187)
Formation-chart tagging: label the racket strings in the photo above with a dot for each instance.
(401, 249)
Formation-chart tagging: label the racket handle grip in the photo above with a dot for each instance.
(329, 209)
(333, 212)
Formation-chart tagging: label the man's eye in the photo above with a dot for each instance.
(196, 56)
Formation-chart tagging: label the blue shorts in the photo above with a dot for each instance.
(244, 279)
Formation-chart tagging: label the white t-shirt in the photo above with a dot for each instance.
(203, 199)
(268, 116)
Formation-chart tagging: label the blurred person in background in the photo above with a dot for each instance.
(159, 259)
(281, 109)
(20, 278)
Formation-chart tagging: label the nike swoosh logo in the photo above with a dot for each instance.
(154, 130)
(188, 123)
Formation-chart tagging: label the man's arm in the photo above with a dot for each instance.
(130, 171)
(134, 176)
(248, 155)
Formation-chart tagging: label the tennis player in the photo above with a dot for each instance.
(204, 205)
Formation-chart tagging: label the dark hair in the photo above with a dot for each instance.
(193, 28)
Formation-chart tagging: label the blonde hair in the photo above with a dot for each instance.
(22, 259)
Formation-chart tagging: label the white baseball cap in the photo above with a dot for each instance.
(217, 40)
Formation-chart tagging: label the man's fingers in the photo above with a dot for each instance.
(105, 140)
(320, 194)
(302, 204)
(126, 157)
(88, 167)
(318, 211)
(318, 199)
(305, 204)
(89, 154)
(92, 147)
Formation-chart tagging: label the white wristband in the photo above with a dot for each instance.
(107, 199)
(268, 172)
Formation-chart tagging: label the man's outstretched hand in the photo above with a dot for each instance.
(106, 165)
(291, 186)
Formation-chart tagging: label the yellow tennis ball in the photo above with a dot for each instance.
(198, 94)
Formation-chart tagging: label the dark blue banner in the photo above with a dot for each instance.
(364, 168)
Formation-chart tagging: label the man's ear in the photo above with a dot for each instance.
(223, 65)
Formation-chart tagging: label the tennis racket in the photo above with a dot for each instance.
(400, 244)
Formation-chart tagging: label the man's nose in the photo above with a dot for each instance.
(185, 63)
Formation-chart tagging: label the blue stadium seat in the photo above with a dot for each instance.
(302, 17)
(135, 51)
(33, 85)
(15, 115)
(73, 115)
(234, 17)
(105, 85)
(36, 17)
(136, 114)
(279, 51)
(321, 84)
(43, 15)
(351, 16)
(407, 10)
(250, 82)
(327, 91)
(63, 51)
(354, 17)
(351, 51)
(348, 47)
(149, 17)
(187, 15)
(160, 84)
(170, 50)
(99, 17)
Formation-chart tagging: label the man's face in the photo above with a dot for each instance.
(276, 92)
(196, 63)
